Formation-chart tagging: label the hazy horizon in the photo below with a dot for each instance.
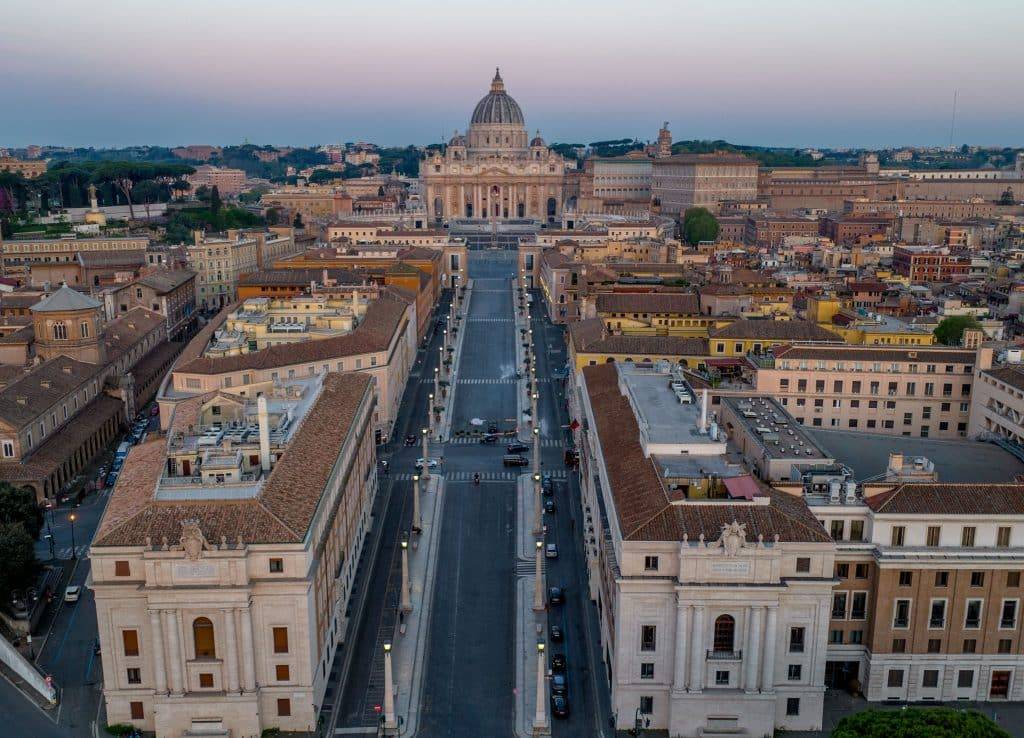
(792, 73)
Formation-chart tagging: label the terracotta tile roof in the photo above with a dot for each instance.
(776, 330)
(38, 390)
(1011, 375)
(98, 259)
(877, 353)
(680, 303)
(300, 277)
(122, 334)
(284, 508)
(950, 499)
(382, 320)
(167, 280)
(25, 334)
(590, 336)
(641, 501)
(555, 259)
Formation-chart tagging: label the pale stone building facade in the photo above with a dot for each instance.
(496, 171)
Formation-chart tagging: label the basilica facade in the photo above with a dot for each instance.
(495, 171)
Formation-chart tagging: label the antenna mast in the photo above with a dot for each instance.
(952, 122)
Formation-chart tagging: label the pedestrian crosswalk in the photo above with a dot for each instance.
(471, 440)
(65, 553)
(490, 320)
(486, 381)
(487, 476)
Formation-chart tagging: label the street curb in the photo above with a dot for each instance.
(445, 429)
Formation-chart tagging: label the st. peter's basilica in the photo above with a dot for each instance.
(494, 171)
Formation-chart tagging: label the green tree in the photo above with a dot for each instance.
(1007, 197)
(273, 216)
(203, 193)
(215, 202)
(17, 559)
(918, 722)
(297, 223)
(18, 505)
(698, 225)
(950, 331)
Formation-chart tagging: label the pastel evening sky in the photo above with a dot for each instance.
(770, 72)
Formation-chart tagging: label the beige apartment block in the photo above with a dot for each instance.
(220, 260)
(903, 391)
(702, 180)
(222, 571)
(997, 408)
(19, 255)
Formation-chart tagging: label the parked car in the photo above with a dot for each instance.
(549, 506)
(556, 595)
(555, 633)
(112, 478)
(518, 448)
(420, 462)
(557, 662)
(547, 484)
(410, 440)
(489, 438)
(514, 460)
(559, 706)
(72, 593)
(551, 551)
(559, 683)
(492, 427)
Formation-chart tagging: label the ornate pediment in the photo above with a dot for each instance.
(192, 540)
(733, 538)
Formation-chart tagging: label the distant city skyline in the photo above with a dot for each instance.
(397, 74)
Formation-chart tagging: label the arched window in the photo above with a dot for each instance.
(60, 331)
(84, 328)
(725, 632)
(202, 638)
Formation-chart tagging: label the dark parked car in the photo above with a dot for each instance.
(558, 662)
(556, 595)
(559, 706)
(559, 683)
(518, 448)
(410, 440)
(547, 484)
(489, 438)
(515, 460)
(492, 428)
(555, 633)
(549, 506)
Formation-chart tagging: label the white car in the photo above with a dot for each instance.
(551, 551)
(72, 593)
(429, 462)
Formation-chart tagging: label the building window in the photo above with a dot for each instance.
(122, 569)
(1005, 645)
(284, 707)
(1008, 618)
(203, 639)
(647, 670)
(137, 711)
(206, 681)
(842, 571)
(839, 605)
(1013, 579)
(942, 579)
(276, 566)
(721, 678)
(977, 579)
(794, 672)
(646, 704)
(796, 640)
(1003, 536)
(856, 637)
(280, 640)
(803, 565)
(83, 329)
(906, 578)
(792, 706)
(837, 527)
(934, 645)
(972, 614)
(725, 632)
(650, 563)
(965, 679)
(135, 675)
(899, 645)
(933, 535)
(895, 678)
(898, 534)
(835, 637)
(930, 678)
(860, 571)
(281, 672)
(859, 606)
(970, 645)
(901, 614)
(60, 331)
(937, 617)
(8, 449)
(967, 536)
(130, 641)
(857, 531)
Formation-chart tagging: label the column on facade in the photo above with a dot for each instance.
(682, 644)
(770, 635)
(173, 631)
(462, 200)
(753, 651)
(249, 661)
(231, 637)
(697, 650)
(159, 663)
(476, 201)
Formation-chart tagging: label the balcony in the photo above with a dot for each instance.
(725, 655)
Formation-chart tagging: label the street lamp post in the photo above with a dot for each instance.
(426, 453)
(540, 717)
(417, 521)
(536, 450)
(538, 522)
(390, 722)
(430, 410)
(74, 552)
(533, 408)
(538, 576)
(406, 584)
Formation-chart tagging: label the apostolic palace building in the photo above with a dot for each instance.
(495, 171)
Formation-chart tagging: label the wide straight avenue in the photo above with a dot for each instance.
(468, 664)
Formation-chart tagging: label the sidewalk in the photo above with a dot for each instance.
(443, 430)
(409, 649)
(524, 428)
(529, 624)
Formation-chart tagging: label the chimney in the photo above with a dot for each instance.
(703, 410)
(896, 462)
(264, 421)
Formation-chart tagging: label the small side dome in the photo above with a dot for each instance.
(457, 140)
(537, 140)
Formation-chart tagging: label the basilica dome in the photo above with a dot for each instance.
(497, 107)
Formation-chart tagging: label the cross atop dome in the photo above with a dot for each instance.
(497, 84)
